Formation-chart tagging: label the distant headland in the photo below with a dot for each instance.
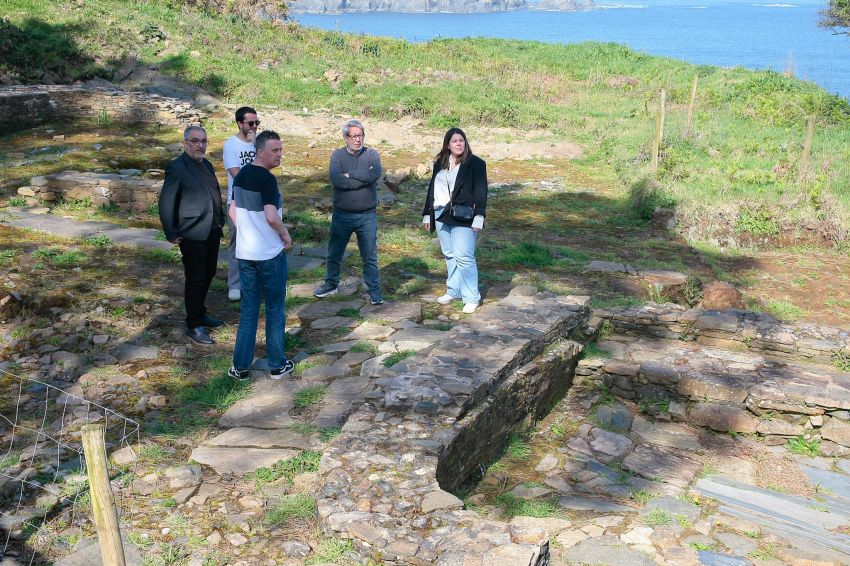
(321, 6)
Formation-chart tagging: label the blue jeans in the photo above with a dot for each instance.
(365, 225)
(267, 279)
(458, 246)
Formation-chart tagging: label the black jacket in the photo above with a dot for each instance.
(186, 205)
(470, 189)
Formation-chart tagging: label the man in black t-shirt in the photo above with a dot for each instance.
(261, 241)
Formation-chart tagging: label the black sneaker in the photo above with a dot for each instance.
(376, 300)
(283, 371)
(199, 336)
(239, 374)
(325, 290)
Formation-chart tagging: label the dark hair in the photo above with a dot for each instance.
(240, 113)
(263, 137)
(442, 158)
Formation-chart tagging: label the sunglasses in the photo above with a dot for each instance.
(251, 123)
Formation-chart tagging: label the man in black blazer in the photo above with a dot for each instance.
(192, 217)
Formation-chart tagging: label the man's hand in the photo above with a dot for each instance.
(176, 240)
(286, 239)
(426, 226)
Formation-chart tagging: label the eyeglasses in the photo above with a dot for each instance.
(196, 141)
(356, 136)
(251, 123)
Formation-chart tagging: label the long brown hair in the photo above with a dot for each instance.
(442, 158)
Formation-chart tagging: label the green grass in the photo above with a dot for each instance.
(285, 470)
(701, 546)
(219, 392)
(396, 357)
(290, 507)
(641, 496)
(512, 506)
(528, 254)
(330, 551)
(364, 346)
(6, 256)
(349, 313)
(518, 447)
(657, 518)
(592, 351)
(841, 359)
(309, 395)
(784, 310)
(98, 240)
(605, 395)
(803, 447)
(309, 363)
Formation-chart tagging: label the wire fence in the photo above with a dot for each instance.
(45, 506)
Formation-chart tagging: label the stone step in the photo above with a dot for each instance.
(730, 390)
(807, 523)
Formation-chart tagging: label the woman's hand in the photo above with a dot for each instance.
(426, 226)
(476, 230)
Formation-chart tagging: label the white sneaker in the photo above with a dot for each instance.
(234, 294)
(446, 299)
(469, 308)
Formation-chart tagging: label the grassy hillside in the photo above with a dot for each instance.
(735, 180)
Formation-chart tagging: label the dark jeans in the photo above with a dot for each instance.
(200, 259)
(266, 278)
(365, 225)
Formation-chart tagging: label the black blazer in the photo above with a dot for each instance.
(186, 206)
(470, 190)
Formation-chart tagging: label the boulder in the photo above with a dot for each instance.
(719, 295)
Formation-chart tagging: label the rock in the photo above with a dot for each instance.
(609, 446)
(723, 418)
(571, 538)
(618, 417)
(710, 558)
(393, 311)
(551, 525)
(127, 353)
(598, 266)
(837, 431)
(719, 295)
(296, 549)
(183, 495)
(125, 456)
(66, 360)
(236, 539)
(87, 553)
(575, 503)
(547, 464)
(262, 438)
(59, 138)
(370, 331)
(736, 543)
(100, 339)
(239, 461)
(656, 463)
(324, 309)
(440, 500)
(533, 492)
(637, 535)
(666, 434)
(512, 554)
(607, 550)
(184, 476)
(673, 507)
(779, 427)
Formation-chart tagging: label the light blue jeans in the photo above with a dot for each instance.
(262, 280)
(458, 245)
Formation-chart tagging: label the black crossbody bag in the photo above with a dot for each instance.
(459, 211)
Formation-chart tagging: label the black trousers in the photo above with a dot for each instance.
(200, 259)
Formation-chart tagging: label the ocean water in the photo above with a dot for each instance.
(758, 35)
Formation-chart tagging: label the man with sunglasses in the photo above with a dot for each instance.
(354, 173)
(238, 151)
(192, 217)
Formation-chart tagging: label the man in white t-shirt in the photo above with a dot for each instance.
(238, 152)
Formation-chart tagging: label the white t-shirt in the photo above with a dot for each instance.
(254, 188)
(236, 153)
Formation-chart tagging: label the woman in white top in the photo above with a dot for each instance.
(455, 207)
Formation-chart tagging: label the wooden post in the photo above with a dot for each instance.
(807, 150)
(691, 106)
(659, 130)
(102, 500)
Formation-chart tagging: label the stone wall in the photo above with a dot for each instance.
(736, 329)
(25, 107)
(128, 192)
(385, 481)
(731, 371)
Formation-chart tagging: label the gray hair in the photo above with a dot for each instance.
(187, 133)
(352, 124)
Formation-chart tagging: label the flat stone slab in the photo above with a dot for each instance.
(607, 550)
(393, 311)
(130, 353)
(656, 464)
(669, 435)
(411, 339)
(333, 322)
(264, 438)
(370, 331)
(87, 553)
(575, 503)
(239, 461)
(323, 309)
(303, 263)
(599, 266)
(267, 407)
(673, 506)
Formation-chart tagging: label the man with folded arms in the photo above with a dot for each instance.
(261, 241)
(192, 217)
